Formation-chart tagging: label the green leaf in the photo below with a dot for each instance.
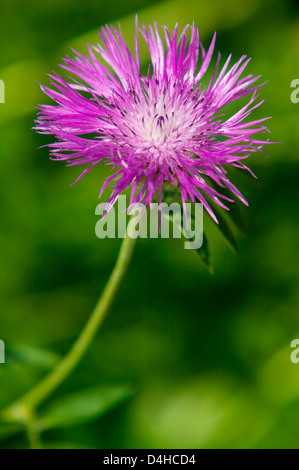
(34, 356)
(82, 406)
(235, 213)
(205, 255)
(225, 229)
(204, 250)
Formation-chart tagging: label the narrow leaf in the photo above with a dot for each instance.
(34, 356)
(235, 213)
(204, 250)
(205, 255)
(83, 406)
(226, 230)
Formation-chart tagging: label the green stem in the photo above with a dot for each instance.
(23, 407)
(34, 437)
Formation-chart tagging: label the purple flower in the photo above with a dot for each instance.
(161, 127)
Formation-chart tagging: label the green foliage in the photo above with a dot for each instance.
(82, 406)
(204, 253)
(225, 228)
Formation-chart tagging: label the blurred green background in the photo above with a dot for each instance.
(184, 359)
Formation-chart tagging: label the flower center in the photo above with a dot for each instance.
(158, 128)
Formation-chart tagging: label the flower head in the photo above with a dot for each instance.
(161, 127)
